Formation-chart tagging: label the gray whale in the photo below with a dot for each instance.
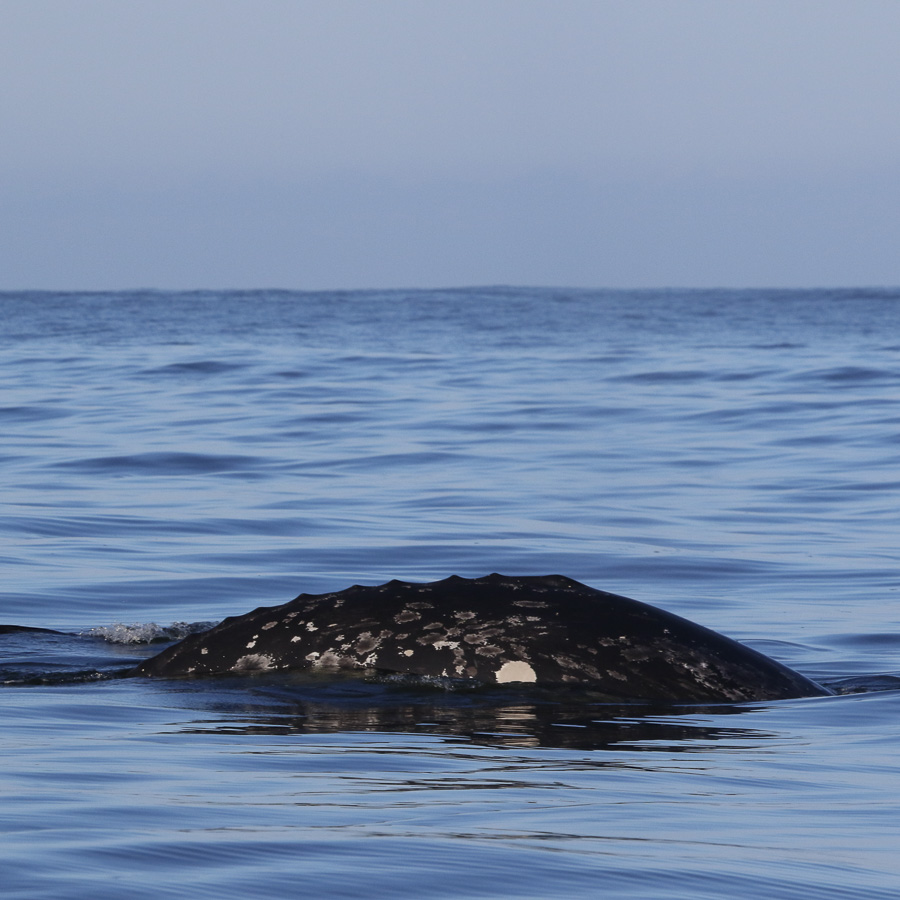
(494, 630)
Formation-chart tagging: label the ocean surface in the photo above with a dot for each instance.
(168, 459)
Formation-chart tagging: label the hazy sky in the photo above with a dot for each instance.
(399, 143)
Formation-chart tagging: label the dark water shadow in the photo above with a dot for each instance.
(511, 716)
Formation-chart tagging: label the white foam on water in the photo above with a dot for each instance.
(147, 632)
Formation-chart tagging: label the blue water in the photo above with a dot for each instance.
(732, 456)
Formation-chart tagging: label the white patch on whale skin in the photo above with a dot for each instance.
(366, 643)
(445, 645)
(330, 660)
(254, 662)
(515, 671)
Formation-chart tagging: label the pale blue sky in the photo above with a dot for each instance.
(400, 143)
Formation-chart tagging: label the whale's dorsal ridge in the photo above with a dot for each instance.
(548, 629)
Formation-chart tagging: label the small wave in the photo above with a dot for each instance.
(864, 684)
(663, 377)
(849, 375)
(24, 678)
(166, 464)
(147, 632)
(35, 413)
(198, 367)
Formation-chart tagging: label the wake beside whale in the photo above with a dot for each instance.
(495, 630)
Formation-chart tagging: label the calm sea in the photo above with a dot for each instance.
(732, 456)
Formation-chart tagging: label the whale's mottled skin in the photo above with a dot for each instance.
(496, 629)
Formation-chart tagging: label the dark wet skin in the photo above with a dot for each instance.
(19, 629)
(494, 630)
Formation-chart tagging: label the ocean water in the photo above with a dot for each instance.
(166, 458)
